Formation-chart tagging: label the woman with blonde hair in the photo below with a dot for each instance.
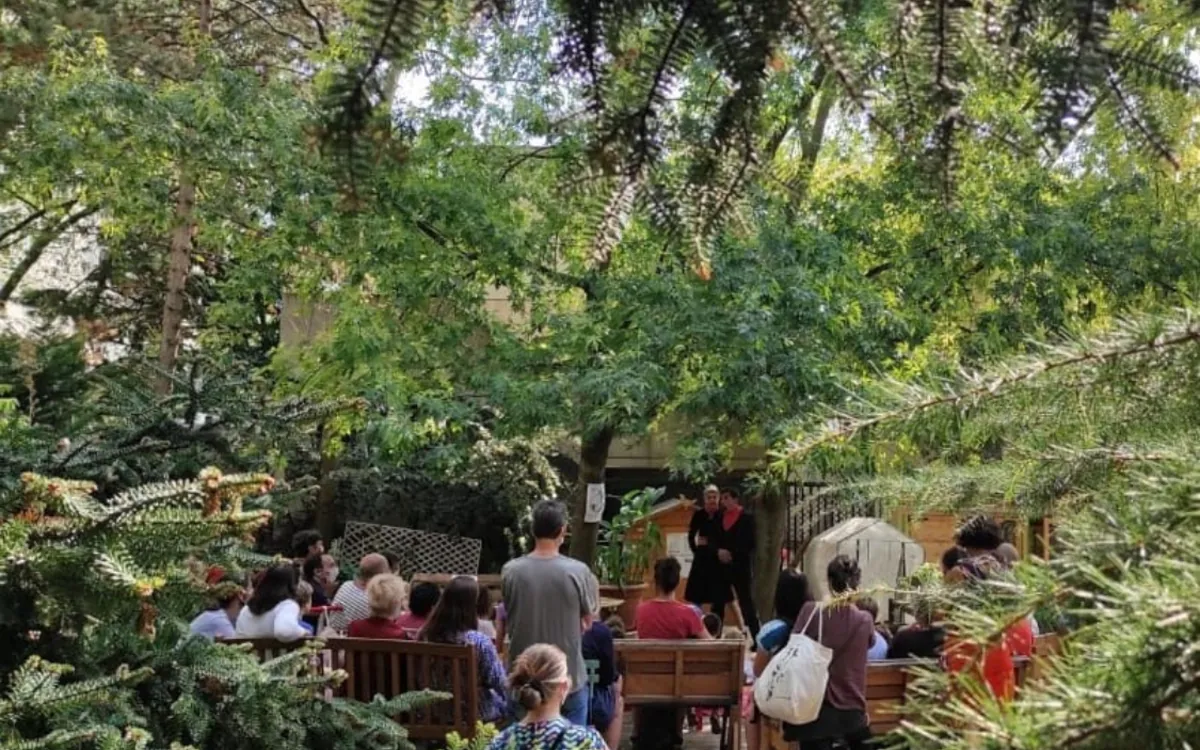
(540, 683)
(385, 597)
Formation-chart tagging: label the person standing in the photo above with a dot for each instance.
(550, 598)
(704, 533)
(352, 597)
(735, 553)
(847, 631)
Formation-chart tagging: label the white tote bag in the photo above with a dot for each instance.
(792, 687)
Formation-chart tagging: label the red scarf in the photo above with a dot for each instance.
(731, 517)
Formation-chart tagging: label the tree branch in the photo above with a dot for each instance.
(38, 247)
(316, 21)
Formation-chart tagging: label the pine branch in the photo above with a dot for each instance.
(1149, 135)
(1127, 343)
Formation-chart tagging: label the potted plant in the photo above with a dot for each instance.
(628, 543)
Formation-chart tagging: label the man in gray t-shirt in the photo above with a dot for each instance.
(549, 598)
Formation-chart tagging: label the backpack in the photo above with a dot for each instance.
(792, 687)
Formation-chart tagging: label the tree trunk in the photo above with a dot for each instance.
(770, 523)
(592, 461)
(326, 496)
(178, 266)
(179, 261)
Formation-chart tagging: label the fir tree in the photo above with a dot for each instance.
(1100, 432)
(107, 587)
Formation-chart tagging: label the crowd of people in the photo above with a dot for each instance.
(549, 616)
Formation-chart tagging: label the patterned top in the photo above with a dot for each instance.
(353, 601)
(492, 676)
(556, 734)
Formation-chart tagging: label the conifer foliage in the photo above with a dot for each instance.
(1098, 432)
(95, 597)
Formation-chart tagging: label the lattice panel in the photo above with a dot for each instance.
(419, 551)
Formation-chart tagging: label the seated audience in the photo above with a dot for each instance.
(951, 558)
(980, 538)
(606, 705)
(500, 616)
(847, 631)
(540, 681)
(484, 612)
(304, 597)
(385, 598)
(920, 640)
(880, 640)
(616, 626)
(421, 601)
(352, 597)
(307, 543)
(218, 620)
(393, 561)
(791, 593)
(712, 623)
(664, 617)
(321, 572)
(454, 620)
(272, 611)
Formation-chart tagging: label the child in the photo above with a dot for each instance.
(880, 641)
(484, 611)
(712, 623)
(304, 597)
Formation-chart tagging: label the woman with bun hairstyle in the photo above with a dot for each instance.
(540, 683)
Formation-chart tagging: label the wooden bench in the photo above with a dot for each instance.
(887, 688)
(685, 673)
(390, 668)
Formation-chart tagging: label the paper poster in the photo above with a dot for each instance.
(677, 547)
(595, 504)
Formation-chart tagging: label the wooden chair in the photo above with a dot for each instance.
(390, 668)
(887, 689)
(684, 674)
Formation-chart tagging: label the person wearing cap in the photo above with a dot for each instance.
(705, 582)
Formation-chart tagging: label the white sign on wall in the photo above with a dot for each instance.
(677, 547)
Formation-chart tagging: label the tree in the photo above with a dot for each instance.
(1096, 429)
(91, 586)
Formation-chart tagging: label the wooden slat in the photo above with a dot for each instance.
(391, 667)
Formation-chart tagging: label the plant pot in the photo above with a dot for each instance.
(631, 596)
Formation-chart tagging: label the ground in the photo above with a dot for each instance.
(704, 740)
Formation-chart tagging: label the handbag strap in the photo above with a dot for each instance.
(820, 622)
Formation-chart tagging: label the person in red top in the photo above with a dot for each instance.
(421, 601)
(385, 597)
(980, 538)
(664, 617)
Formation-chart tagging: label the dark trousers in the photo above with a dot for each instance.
(857, 741)
(658, 728)
(739, 583)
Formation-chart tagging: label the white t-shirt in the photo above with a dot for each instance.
(281, 622)
(354, 606)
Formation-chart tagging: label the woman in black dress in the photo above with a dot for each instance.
(735, 555)
(704, 584)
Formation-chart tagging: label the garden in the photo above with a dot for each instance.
(273, 265)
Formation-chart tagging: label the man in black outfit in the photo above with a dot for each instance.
(735, 550)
